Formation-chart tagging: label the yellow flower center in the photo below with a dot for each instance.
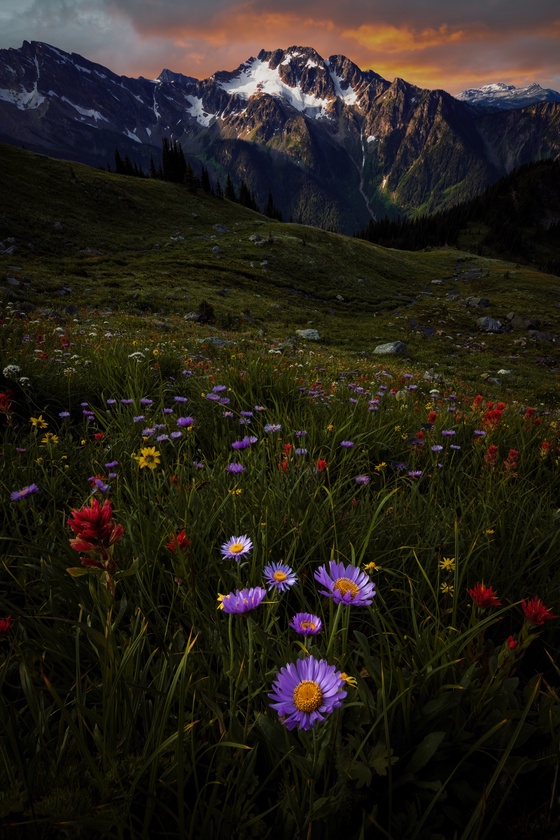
(307, 696)
(308, 625)
(236, 548)
(345, 585)
(279, 576)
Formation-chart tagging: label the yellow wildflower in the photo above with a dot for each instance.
(38, 422)
(149, 457)
(446, 588)
(49, 438)
(351, 681)
(371, 567)
(447, 564)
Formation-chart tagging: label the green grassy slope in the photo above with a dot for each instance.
(140, 247)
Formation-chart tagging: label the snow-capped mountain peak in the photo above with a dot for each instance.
(298, 76)
(507, 97)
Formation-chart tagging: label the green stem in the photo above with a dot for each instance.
(334, 627)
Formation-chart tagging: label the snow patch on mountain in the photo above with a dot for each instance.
(23, 99)
(197, 110)
(85, 112)
(343, 89)
(256, 76)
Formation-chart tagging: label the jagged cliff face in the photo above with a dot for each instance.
(335, 144)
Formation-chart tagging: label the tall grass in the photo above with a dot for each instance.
(132, 706)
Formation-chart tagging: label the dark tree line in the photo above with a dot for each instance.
(174, 167)
(510, 218)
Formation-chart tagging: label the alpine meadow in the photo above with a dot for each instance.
(280, 506)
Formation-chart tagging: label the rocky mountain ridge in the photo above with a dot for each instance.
(334, 144)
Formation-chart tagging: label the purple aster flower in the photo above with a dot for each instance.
(448, 432)
(454, 446)
(347, 444)
(235, 469)
(127, 402)
(245, 443)
(273, 427)
(147, 432)
(168, 411)
(300, 451)
(245, 413)
(260, 408)
(436, 447)
(345, 584)
(161, 438)
(24, 492)
(198, 465)
(98, 484)
(146, 401)
(305, 691)
(213, 397)
(175, 435)
(236, 547)
(110, 464)
(218, 388)
(306, 624)
(180, 399)
(111, 401)
(138, 418)
(64, 414)
(415, 473)
(185, 421)
(362, 479)
(279, 576)
(225, 401)
(227, 414)
(242, 600)
(479, 433)
(301, 433)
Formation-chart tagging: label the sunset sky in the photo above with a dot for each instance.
(436, 44)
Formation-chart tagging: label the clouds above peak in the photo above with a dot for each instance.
(437, 44)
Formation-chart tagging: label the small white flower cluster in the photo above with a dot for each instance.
(11, 371)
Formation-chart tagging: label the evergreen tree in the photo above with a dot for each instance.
(205, 181)
(246, 197)
(230, 190)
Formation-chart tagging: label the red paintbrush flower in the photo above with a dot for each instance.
(484, 596)
(178, 541)
(5, 624)
(510, 464)
(536, 612)
(94, 527)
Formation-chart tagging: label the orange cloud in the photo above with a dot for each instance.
(392, 39)
(441, 56)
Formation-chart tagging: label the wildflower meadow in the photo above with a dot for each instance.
(253, 594)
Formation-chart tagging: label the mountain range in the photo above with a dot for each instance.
(335, 145)
(507, 97)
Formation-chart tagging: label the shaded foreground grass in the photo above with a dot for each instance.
(134, 707)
